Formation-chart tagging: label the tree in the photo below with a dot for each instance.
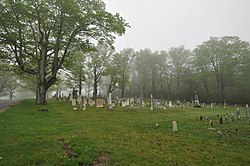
(165, 68)
(226, 56)
(8, 84)
(75, 68)
(98, 61)
(179, 57)
(127, 57)
(141, 64)
(38, 36)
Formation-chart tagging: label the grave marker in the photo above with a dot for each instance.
(151, 102)
(221, 120)
(247, 111)
(110, 101)
(174, 126)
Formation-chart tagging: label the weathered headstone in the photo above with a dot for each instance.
(131, 101)
(226, 119)
(151, 102)
(84, 106)
(73, 102)
(142, 103)
(91, 102)
(247, 111)
(238, 113)
(113, 103)
(219, 133)
(123, 102)
(232, 117)
(127, 102)
(170, 104)
(174, 126)
(200, 118)
(221, 120)
(211, 123)
(99, 103)
(70, 97)
(110, 102)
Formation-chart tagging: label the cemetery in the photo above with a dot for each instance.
(71, 95)
(107, 132)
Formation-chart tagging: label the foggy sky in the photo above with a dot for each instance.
(162, 24)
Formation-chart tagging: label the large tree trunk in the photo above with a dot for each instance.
(95, 89)
(41, 80)
(41, 94)
(123, 89)
(80, 83)
(95, 84)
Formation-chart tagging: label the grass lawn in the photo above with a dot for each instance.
(125, 136)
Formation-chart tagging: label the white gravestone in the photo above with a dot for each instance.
(70, 97)
(73, 102)
(142, 104)
(110, 102)
(123, 102)
(247, 111)
(99, 103)
(174, 126)
(170, 104)
(151, 103)
(84, 106)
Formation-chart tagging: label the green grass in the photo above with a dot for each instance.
(125, 136)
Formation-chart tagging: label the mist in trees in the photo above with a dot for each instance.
(218, 69)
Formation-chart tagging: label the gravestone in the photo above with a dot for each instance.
(170, 104)
(221, 120)
(110, 102)
(131, 101)
(211, 123)
(151, 102)
(174, 126)
(138, 102)
(212, 105)
(226, 119)
(79, 100)
(91, 102)
(247, 111)
(196, 100)
(70, 97)
(113, 103)
(238, 113)
(142, 103)
(200, 118)
(124, 102)
(73, 102)
(99, 103)
(84, 106)
(232, 118)
(127, 102)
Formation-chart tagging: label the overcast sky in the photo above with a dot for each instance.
(162, 24)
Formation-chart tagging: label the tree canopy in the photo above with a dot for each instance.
(38, 36)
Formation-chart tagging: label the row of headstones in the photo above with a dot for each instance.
(238, 117)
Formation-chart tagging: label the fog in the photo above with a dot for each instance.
(161, 24)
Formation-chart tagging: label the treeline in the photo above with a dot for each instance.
(218, 70)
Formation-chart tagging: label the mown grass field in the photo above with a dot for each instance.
(127, 136)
